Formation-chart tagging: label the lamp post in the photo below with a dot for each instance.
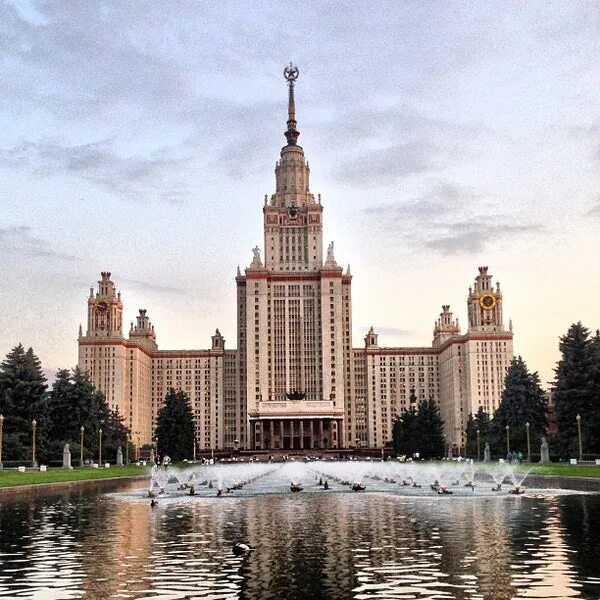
(507, 439)
(478, 446)
(528, 442)
(33, 429)
(1, 428)
(99, 446)
(578, 419)
(81, 432)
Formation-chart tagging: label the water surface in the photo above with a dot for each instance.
(332, 544)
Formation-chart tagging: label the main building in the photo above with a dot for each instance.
(295, 381)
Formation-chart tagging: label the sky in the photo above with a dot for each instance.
(141, 137)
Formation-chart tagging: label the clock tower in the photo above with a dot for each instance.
(484, 304)
(105, 310)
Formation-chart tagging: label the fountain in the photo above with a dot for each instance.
(414, 479)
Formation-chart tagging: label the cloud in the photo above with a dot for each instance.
(473, 237)
(19, 240)
(391, 331)
(442, 199)
(152, 287)
(131, 176)
(396, 142)
(594, 211)
(386, 166)
(445, 220)
(586, 131)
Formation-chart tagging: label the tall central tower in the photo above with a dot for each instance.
(292, 218)
(294, 317)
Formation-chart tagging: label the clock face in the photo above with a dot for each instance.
(487, 302)
(292, 212)
(102, 306)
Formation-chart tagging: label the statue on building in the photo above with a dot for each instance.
(256, 260)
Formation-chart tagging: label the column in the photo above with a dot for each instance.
(281, 433)
(271, 434)
(320, 433)
(262, 435)
(311, 432)
(301, 434)
(291, 434)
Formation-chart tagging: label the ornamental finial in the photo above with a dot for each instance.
(291, 75)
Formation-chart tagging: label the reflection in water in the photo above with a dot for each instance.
(321, 545)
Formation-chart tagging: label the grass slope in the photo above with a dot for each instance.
(10, 478)
(562, 470)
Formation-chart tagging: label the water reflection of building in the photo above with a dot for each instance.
(116, 555)
(295, 381)
(553, 573)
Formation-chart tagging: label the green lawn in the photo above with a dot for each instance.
(11, 478)
(562, 470)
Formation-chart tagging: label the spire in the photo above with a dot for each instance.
(291, 74)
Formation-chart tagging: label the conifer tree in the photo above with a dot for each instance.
(575, 391)
(61, 410)
(593, 425)
(75, 402)
(22, 399)
(431, 441)
(479, 421)
(116, 433)
(523, 401)
(420, 431)
(175, 426)
(404, 432)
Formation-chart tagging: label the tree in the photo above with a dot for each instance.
(420, 431)
(575, 388)
(22, 399)
(404, 433)
(431, 430)
(175, 426)
(61, 411)
(523, 401)
(592, 421)
(116, 433)
(75, 402)
(479, 421)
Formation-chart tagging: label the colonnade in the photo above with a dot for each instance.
(296, 434)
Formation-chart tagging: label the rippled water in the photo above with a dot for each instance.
(315, 544)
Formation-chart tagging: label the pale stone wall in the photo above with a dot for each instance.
(391, 374)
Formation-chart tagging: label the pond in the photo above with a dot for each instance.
(388, 541)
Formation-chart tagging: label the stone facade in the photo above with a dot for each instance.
(295, 382)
